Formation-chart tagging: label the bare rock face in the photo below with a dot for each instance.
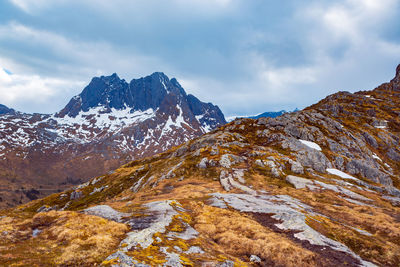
(110, 123)
(396, 79)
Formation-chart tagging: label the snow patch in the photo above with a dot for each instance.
(311, 144)
(376, 157)
(341, 174)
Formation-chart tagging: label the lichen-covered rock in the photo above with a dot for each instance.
(106, 212)
(75, 195)
(296, 167)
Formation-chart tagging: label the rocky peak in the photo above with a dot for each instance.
(155, 91)
(396, 79)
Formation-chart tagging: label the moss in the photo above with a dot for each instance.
(150, 255)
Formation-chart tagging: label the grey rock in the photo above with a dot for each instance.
(254, 258)
(393, 154)
(370, 139)
(394, 200)
(260, 163)
(225, 161)
(214, 151)
(46, 208)
(194, 250)
(75, 195)
(224, 180)
(203, 163)
(296, 167)
(298, 182)
(364, 169)
(106, 212)
(314, 159)
(227, 263)
(275, 170)
(36, 232)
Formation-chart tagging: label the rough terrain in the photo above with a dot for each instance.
(319, 187)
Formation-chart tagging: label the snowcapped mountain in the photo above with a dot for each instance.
(111, 122)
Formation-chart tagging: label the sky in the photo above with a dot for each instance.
(246, 56)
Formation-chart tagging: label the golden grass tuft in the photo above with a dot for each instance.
(238, 235)
(66, 238)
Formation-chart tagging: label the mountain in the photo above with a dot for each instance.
(110, 123)
(5, 110)
(268, 114)
(317, 187)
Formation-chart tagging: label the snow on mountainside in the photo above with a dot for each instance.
(111, 120)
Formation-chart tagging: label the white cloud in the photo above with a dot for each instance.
(354, 21)
(89, 57)
(75, 61)
(341, 47)
(343, 43)
(16, 88)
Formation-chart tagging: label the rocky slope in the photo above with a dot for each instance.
(110, 123)
(319, 187)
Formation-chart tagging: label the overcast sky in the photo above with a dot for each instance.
(247, 56)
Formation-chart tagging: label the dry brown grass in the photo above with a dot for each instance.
(383, 247)
(238, 235)
(67, 238)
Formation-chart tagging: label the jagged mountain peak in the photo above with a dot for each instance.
(112, 92)
(155, 92)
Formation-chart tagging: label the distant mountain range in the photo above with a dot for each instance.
(110, 123)
(268, 114)
(5, 110)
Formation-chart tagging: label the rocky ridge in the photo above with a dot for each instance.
(111, 122)
(319, 187)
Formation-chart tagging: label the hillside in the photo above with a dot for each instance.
(318, 187)
(109, 124)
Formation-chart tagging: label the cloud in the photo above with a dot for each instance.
(17, 89)
(246, 56)
(64, 52)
